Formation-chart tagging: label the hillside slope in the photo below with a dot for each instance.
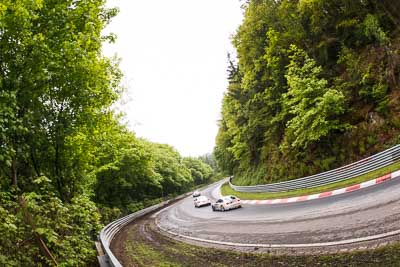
(315, 86)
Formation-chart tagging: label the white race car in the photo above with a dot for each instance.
(201, 201)
(226, 203)
(196, 193)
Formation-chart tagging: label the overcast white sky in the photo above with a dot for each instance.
(174, 58)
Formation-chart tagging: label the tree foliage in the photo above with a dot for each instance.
(313, 108)
(125, 170)
(200, 171)
(55, 86)
(64, 154)
(314, 87)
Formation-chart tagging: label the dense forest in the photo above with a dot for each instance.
(67, 164)
(314, 84)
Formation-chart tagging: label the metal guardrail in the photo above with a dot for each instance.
(108, 233)
(349, 171)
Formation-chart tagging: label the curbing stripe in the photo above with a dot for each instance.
(348, 189)
(314, 196)
(325, 194)
(275, 201)
(395, 174)
(339, 191)
(367, 184)
(353, 188)
(383, 178)
(303, 198)
(293, 199)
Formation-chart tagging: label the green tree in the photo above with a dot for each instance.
(315, 108)
(200, 171)
(58, 85)
(55, 87)
(125, 171)
(176, 177)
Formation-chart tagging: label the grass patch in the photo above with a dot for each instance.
(143, 254)
(227, 190)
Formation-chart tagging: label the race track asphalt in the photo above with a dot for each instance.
(362, 213)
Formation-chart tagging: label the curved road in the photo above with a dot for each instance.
(362, 213)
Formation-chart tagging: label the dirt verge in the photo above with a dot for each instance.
(140, 244)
